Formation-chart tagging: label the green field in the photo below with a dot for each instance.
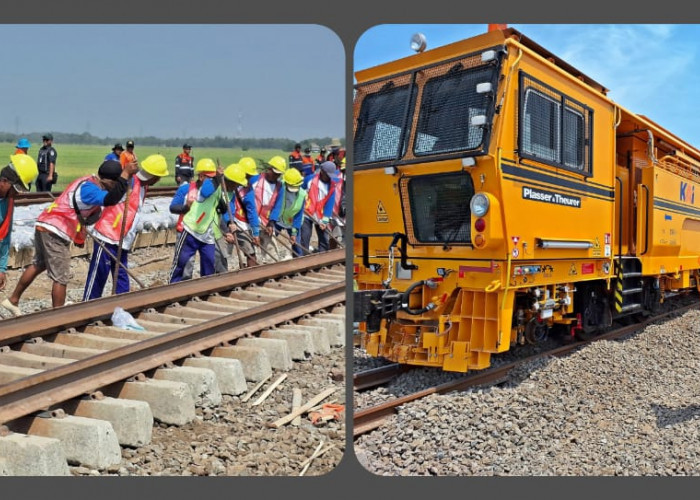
(77, 160)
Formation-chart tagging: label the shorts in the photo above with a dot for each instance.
(52, 253)
(245, 243)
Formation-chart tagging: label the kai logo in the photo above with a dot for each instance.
(687, 193)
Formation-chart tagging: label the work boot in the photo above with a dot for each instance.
(15, 310)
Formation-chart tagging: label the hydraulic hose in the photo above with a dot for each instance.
(407, 293)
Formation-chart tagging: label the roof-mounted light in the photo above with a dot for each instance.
(478, 121)
(469, 161)
(418, 42)
(484, 88)
(488, 56)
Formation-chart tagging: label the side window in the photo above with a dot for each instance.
(553, 128)
(380, 122)
(540, 132)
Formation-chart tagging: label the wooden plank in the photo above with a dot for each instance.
(296, 404)
(269, 390)
(303, 409)
(311, 458)
(255, 389)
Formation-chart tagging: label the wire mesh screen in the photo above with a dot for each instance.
(380, 121)
(437, 208)
(554, 128)
(448, 104)
(443, 100)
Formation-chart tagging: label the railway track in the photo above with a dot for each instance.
(368, 419)
(32, 198)
(51, 359)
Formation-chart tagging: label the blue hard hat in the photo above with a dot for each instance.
(23, 143)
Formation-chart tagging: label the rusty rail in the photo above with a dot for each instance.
(371, 418)
(52, 321)
(23, 199)
(43, 390)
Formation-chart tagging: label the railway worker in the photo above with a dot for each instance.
(184, 165)
(65, 221)
(127, 156)
(200, 224)
(250, 168)
(15, 177)
(320, 158)
(295, 160)
(307, 162)
(290, 215)
(224, 248)
(22, 146)
(107, 231)
(244, 230)
(320, 189)
(46, 161)
(179, 207)
(338, 219)
(267, 188)
(116, 152)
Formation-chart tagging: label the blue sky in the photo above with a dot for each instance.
(652, 70)
(173, 80)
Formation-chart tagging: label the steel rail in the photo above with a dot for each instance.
(371, 418)
(24, 199)
(40, 323)
(378, 376)
(37, 392)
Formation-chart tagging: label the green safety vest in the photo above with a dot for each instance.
(203, 214)
(287, 215)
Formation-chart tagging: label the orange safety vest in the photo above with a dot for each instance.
(338, 196)
(264, 210)
(126, 157)
(7, 222)
(109, 225)
(238, 196)
(61, 218)
(313, 205)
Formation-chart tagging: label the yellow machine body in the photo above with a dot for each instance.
(596, 202)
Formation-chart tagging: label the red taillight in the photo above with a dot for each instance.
(356, 268)
(480, 225)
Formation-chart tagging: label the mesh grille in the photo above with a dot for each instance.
(437, 208)
(448, 104)
(379, 122)
(443, 101)
(554, 128)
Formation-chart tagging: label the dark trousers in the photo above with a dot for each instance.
(185, 249)
(322, 236)
(101, 267)
(43, 183)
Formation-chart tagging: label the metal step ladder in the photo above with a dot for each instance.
(628, 285)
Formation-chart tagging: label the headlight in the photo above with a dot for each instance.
(479, 204)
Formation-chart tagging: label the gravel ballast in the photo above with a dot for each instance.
(626, 408)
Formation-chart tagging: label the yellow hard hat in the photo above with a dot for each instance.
(249, 165)
(205, 165)
(292, 177)
(278, 164)
(26, 169)
(155, 165)
(236, 173)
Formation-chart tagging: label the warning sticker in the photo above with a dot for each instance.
(596, 247)
(381, 213)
